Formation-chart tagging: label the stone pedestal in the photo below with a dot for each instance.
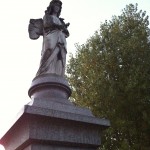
(51, 122)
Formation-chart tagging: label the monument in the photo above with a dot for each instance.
(50, 121)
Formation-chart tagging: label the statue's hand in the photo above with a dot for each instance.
(67, 24)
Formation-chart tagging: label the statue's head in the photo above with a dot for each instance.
(50, 8)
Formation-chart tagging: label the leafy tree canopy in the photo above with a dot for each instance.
(110, 74)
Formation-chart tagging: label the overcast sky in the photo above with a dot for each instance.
(20, 56)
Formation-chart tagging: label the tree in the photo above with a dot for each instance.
(110, 74)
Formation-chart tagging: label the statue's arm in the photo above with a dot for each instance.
(50, 24)
(65, 26)
(47, 21)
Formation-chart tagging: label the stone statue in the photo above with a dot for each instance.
(54, 32)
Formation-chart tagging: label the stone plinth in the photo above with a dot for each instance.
(52, 122)
(50, 86)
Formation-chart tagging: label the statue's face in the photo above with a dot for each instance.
(56, 8)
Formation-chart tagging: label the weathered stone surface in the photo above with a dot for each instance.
(50, 121)
(48, 129)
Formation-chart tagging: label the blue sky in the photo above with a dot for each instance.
(20, 56)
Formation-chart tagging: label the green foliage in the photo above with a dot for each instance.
(110, 74)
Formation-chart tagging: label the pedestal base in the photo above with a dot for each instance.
(52, 122)
(46, 129)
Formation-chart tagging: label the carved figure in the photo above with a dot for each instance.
(54, 32)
